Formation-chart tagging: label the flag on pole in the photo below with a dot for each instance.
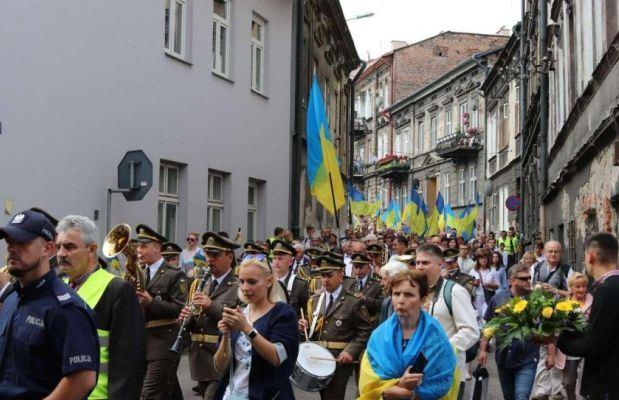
(391, 216)
(323, 169)
(358, 204)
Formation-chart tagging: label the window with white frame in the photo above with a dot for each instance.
(174, 30)
(503, 211)
(433, 131)
(494, 201)
(221, 37)
(215, 206)
(448, 122)
(167, 208)
(252, 211)
(491, 137)
(461, 187)
(474, 121)
(257, 53)
(464, 110)
(368, 104)
(406, 140)
(472, 183)
(446, 188)
(398, 143)
(420, 135)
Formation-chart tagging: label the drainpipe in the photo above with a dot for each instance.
(543, 126)
(524, 81)
(297, 105)
(351, 131)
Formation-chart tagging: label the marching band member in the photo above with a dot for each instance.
(340, 322)
(162, 299)
(221, 290)
(119, 319)
(296, 287)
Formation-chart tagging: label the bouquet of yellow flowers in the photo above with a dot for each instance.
(539, 317)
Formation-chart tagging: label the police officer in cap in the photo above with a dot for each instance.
(48, 336)
(342, 324)
(453, 273)
(162, 300)
(295, 286)
(221, 291)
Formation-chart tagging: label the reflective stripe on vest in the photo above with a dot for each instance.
(91, 291)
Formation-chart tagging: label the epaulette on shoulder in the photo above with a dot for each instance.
(174, 267)
(63, 295)
(355, 294)
(376, 279)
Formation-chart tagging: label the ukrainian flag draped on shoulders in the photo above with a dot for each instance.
(323, 168)
(384, 361)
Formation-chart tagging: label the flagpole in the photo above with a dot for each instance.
(337, 218)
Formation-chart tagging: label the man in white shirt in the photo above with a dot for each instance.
(464, 261)
(458, 321)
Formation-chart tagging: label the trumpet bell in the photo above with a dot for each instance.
(116, 241)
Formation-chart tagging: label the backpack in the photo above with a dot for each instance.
(471, 353)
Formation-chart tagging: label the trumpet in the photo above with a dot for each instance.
(202, 276)
(118, 241)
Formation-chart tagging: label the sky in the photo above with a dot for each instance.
(415, 20)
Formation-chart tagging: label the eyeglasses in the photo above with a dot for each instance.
(260, 257)
(523, 278)
(190, 239)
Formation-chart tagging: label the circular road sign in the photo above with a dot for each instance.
(513, 203)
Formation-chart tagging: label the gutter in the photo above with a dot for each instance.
(351, 132)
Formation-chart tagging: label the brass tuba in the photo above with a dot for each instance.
(118, 241)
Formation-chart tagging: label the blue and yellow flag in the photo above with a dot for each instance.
(391, 216)
(414, 214)
(358, 204)
(323, 168)
(434, 218)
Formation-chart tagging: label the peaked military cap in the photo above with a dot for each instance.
(214, 243)
(147, 234)
(252, 248)
(313, 252)
(334, 255)
(360, 258)
(375, 249)
(411, 252)
(279, 246)
(170, 249)
(450, 255)
(329, 264)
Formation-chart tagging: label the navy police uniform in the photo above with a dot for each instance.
(46, 333)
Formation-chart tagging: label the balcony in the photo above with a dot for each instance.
(360, 127)
(358, 171)
(393, 167)
(459, 146)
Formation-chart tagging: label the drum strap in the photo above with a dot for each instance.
(316, 313)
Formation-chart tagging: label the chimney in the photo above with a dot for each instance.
(397, 44)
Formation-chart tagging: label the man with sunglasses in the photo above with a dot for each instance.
(296, 287)
(221, 291)
(517, 362)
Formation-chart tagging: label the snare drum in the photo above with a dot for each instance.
(314, 368)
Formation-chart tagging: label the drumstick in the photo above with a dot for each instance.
(329, 359)
(304, 326)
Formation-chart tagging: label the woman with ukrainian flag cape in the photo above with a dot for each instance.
(409, 335)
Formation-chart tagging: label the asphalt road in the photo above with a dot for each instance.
(494, 390)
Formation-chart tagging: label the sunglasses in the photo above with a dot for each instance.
(260, 257)
(190, 239)
(523, 278)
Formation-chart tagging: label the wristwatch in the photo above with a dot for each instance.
(252, 334)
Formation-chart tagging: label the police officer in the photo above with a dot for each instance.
(221, 290)
(296, 287)
(342, 324)
(453, 273)
(162, 301)
(368, 285)
(120, 323)
(48, 337)
(171, 253)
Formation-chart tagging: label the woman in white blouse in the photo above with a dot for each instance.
(486, 282)
(261, 340)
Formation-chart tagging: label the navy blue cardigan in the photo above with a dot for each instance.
(266, 381)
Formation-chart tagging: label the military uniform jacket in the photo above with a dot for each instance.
(372, 296)
(347, 321)
(168, 289)
(298, 295)
(465, 280)
(202, 353)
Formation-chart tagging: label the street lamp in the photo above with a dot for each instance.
(367, 15)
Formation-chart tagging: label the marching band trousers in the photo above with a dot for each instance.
(159, 380)
(336, 389)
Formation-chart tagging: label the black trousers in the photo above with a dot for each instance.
(161, 382)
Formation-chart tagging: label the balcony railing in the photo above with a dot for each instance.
(458, 146)
(361, 127)
(393, 167)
